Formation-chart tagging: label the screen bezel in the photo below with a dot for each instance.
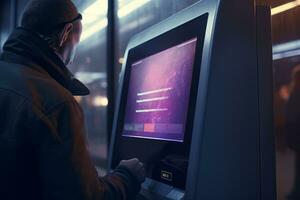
(166, 40)
(185, 111)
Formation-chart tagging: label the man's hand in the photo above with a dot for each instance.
(135, 167)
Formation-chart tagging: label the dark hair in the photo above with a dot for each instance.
(44, 16)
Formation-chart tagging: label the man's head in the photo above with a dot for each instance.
(58, 22)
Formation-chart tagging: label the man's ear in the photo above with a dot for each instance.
(65, 34)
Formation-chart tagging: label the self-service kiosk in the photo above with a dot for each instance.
(195, 104)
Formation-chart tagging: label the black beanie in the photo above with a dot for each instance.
(42, 16)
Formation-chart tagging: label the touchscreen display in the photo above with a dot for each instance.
(158, 94)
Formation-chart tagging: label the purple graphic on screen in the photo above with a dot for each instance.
(158, 94)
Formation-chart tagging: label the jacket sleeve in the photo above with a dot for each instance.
(66, 170)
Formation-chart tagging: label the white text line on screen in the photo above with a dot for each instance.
(152, 110)
(151, 99)
(154, 91)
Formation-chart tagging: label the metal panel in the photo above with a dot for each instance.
(180, 18)
(110, 69)
(265, 72)
(141, 18)
(229, 157)
(225, 153)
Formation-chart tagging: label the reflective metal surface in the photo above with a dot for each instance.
(134, 16)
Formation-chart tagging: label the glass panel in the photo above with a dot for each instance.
(90, 67)
(286, 60)
(6, 26)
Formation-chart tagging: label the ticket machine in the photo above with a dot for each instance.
(195, 104)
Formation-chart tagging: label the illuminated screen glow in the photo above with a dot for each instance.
(158, 94)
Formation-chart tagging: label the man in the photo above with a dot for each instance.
(42, 148)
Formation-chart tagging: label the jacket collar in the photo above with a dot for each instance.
(28, 48)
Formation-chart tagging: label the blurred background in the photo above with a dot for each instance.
(107, 28)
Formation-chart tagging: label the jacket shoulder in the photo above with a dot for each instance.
(35, 86)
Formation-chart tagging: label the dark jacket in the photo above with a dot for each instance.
(42, 146)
